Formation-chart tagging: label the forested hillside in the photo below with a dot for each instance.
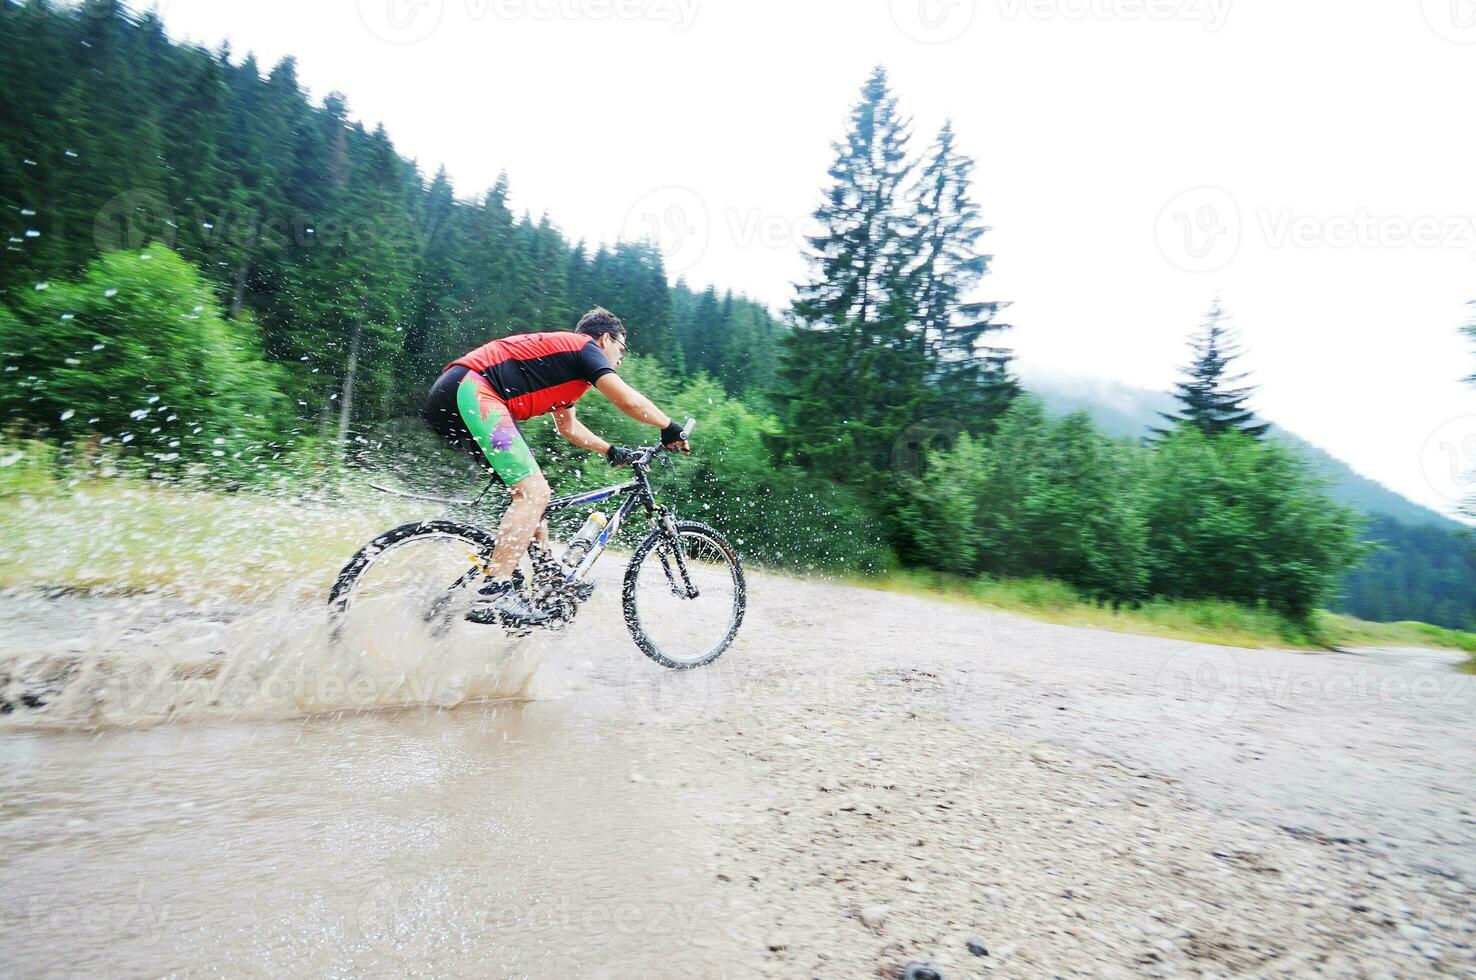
(208, 276)
(1424, 567)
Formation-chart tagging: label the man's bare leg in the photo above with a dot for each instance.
(519, 525)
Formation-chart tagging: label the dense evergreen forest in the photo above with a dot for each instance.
(1424, 573)
(208, 276)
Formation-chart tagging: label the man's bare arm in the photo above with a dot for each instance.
(632, 402)
(577, 432)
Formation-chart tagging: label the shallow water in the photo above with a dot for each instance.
(303, 827)
(490, 840)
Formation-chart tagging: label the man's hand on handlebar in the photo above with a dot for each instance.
(622, 455)
(673, 439)
(674, 436)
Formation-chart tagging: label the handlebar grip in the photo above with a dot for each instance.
(688, 427)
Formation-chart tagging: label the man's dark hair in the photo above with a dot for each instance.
(600, 321)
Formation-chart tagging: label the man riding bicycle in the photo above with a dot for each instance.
(479, 400)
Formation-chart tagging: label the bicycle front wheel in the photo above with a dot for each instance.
(684, 598)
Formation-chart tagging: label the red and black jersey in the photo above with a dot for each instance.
(536, 373)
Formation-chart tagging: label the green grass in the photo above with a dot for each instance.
(1200, 621)
(122, 534)
(74, 529)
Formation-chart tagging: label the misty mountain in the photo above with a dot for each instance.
(1125, 411)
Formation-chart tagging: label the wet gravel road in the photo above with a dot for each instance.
(865, 780)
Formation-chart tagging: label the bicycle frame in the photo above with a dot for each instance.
(640, 493)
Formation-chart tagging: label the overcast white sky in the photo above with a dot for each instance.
(1310, 161)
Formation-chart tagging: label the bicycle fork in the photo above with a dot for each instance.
(673, 550)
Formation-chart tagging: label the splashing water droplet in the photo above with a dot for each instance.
(153, 399)
(109, 293)
(27, 213)
(41, 287)
(73, 361)
(32, 233)
(72, 154)
(11, 459)
(68, 414)
(98, 346)
(68, 316)
(138, 414)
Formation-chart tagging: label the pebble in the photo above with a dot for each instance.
(921, 971)
(976, 947)
(873, 916)
(1411, 932)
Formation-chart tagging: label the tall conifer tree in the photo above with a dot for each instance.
(955, 330)
(1207, 399)
(851, 316)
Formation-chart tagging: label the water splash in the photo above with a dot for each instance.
(273, 663)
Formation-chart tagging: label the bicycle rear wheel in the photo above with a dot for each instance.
(428, 570)
(677, 626)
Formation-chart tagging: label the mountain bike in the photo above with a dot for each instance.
(683, 594)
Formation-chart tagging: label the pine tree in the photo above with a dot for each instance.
(848, 378)
(973, 375)
(1207, 400)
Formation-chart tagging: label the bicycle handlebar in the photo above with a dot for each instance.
(649, 452)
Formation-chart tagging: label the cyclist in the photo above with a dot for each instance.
(479, 400)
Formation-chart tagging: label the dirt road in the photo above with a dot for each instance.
(864, 781)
